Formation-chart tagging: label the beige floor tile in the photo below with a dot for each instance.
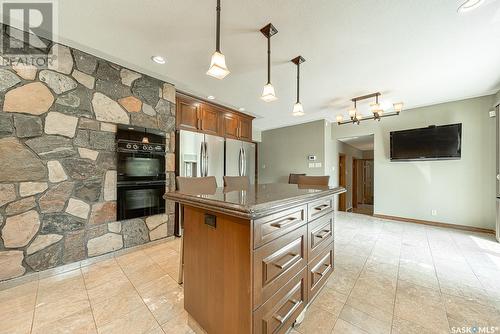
(343, 327)
(146, 274)
(164, 298)
(364, 321)
(16, 322)
(23, 290)
(77, 323)
(102, 272)
(63, 280)
(342, 280)
(18, 300)
(422, 274)
(139, 321)
(383, 314)
(116, 306)
(422, 306)
(330, 300)
(402, 326)
(317, 321)
(47, 313)
(376, 289)
(464, 311)
(109, 289)
(178, 325)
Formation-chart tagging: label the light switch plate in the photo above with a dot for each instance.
(311, 165)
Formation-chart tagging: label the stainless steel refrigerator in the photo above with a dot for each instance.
(201, 155)
(240, 159)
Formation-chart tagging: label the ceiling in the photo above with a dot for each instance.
(419, 52)
(363, 143)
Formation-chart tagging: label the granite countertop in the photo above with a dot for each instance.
(256, 201)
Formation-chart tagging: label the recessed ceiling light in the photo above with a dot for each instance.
(470, 5)
(211, 97)
(242, 109)
(158, 60)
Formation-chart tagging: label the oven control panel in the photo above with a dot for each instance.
(133, 146)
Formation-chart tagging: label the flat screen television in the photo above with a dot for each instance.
(431, 143)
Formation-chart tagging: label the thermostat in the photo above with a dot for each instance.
(312, 157)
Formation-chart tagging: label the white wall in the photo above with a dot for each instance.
(462, 191)
(285, 150)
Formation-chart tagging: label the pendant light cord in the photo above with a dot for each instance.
(269, 59)
(217, 34)
(298, 82)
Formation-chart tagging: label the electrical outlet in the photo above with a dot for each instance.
(434, 212)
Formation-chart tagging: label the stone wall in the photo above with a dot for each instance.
(58, 163)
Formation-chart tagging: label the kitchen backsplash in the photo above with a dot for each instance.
(58, 162)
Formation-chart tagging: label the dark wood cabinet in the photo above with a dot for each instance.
(197, 115)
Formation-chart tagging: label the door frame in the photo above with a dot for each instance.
(342, 181)
(354, 190)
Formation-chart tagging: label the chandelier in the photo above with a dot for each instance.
(378, 112)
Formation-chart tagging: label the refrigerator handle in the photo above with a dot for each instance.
(244, 162)
(202, 160)
(206, 159)
(240, 160)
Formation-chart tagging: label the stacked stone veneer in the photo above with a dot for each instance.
(58, 162)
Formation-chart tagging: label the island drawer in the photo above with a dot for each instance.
(275, 263)
(320, 235)
(320, 208)
(273, 226)
(277, 315)
(319, 270)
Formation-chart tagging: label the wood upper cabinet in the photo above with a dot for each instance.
(200, 116)
(209, 120)
(188, 113)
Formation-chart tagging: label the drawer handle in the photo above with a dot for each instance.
(324, 235)
(323, 273)
(282, 319)
(321, 207)
(284, 222)
(289, 262)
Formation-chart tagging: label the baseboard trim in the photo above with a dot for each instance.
(437, 224)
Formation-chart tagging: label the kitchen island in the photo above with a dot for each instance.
(254, 258)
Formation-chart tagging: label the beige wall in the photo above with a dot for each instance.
(461, 191)
(285, 150)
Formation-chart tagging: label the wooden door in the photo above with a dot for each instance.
(188, 113)
(342, 181)
(354, 183)
(368, 181)
(245, 132)
(230, 125)
(209, 120)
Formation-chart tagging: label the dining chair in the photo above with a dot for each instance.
(192, 186)
(236, 182)
(313, 180)
(293, 178)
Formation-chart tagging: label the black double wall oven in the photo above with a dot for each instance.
(141, 173)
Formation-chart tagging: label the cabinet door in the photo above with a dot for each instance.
(245, 129)
(231, 125)
(187, 114)
(209, 120)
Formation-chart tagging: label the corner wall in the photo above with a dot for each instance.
(461, 191)
(58, 163)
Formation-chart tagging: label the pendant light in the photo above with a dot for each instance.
(218, 68)
(268, 93)
(298, 109)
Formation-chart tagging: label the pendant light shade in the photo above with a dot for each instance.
(298, 109)
(218, 68)
(268, 93)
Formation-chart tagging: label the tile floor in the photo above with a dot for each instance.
(390, 277)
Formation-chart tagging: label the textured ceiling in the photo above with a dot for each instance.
(420, 52)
